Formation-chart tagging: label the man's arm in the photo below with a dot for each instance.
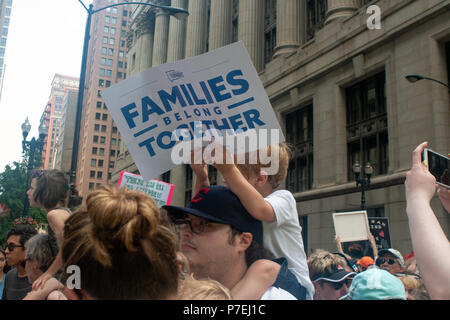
(201, 177)
(429, 241)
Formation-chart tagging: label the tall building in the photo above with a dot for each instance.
(99, 138)
(53, 115)
(5, 14)
(337, 84)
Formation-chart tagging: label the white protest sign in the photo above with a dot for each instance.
(161, 106)
(161, 192)
(351, 226)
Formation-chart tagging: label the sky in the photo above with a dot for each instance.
(45, 38)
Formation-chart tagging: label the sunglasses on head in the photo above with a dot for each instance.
(12, 246)
(381, 261)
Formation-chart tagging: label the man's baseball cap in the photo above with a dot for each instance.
(337, 275)
(375, 284)
(219, 204)
(366, 262)
(395, 253)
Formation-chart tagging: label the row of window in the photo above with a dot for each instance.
(102, 140)
(103, 128)
(101, 152)
(113, 20)
(112, 41)
(108, 73)
(99, 163)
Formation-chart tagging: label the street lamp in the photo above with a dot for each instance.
(178, 13)
(363, 180)
(32, 145)
(413, 78)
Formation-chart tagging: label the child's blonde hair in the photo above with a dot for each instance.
(284, 154)
(205, 289)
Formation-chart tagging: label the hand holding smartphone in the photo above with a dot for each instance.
(438, 165)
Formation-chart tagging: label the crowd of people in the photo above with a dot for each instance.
(241, 241)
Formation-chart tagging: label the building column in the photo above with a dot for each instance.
(177, 34)
(196, 28)
(341, 9)
(288, 31)
(251, 30)
(147, 29)
(161, 37)
(221, 24)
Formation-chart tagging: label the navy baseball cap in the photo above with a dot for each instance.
(219, 204)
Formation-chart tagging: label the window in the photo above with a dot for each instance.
(94, 150)
(91, 186)
(108, 83)
(113, 31)
(166, 177)
(113, 141)
(111, 164)
(102, 72)
(93, 162)
(99, 174)
(110, 62)
(101, 152)
(114, 10)
(92, 174)
(110, 51)
(114, 130)
(96, 127)
(121, 54)
(113, 20)
(105, 40)
(106, 29)
(98, 94)
(99, 104)
(270, 29)
(299, 133)
(188, 185)
(367, 133)
(119, 75)
(112, 153)
(122, 43)
(120, 64)
(316, 14)
(103, 61)
(111, 41)
(108, 73)
(107, 19)
(102, 140)
(125, 13)
(100, 163)
(101, 82)
(124, 23)
(104, 117)
(104, 128)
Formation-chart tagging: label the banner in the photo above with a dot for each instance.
(379, 227)
(219, 91)
(160, 191)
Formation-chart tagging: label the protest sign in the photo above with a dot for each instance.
(379, 227)
(160, 107)
(160, 191)
(351, 226)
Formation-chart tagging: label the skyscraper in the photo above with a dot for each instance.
(99, 138)
(5, 13)
(53, 115)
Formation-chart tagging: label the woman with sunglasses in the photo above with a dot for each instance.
(49, 190)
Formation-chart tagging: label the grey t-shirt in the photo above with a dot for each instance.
(15, 288)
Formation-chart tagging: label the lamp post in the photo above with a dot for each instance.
(32, 145)
(363, 180)
(178, 13)
(413, 78)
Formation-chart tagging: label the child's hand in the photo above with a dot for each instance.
(218, 156)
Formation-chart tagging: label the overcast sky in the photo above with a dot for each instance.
(45, 37)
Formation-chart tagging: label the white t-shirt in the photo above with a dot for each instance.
(277, 294)
(283, 237)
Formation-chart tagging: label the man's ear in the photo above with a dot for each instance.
(245, 240)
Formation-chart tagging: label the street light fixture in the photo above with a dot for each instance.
(363, 180)
(32, 145)
(413, 78)
(178, 13)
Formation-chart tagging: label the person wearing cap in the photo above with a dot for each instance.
(331, 281)
(375, 284)
(364, 263)
(221, 240)
(390, 260)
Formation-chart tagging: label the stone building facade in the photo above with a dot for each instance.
(338, 87)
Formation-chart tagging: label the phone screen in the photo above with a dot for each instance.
(439, 167)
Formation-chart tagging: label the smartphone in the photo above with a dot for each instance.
(438, 165)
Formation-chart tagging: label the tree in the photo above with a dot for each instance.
(13, 188)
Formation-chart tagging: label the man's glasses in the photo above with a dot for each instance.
(338, 285)
(381, 261)
(197, 226)
(12, 246)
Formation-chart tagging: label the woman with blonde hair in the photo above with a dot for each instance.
(123, 246)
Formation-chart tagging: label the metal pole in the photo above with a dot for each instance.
(363, 195)
(26, 205)
(76, 136)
